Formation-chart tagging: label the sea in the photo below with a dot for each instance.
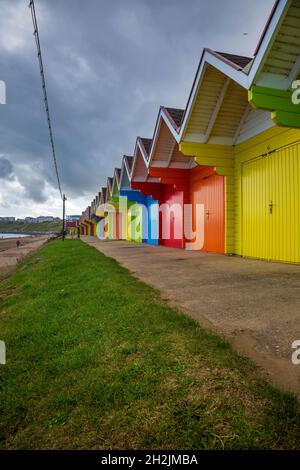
(13, 235)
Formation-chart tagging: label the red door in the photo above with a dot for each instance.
(209, 191)
(171, 220)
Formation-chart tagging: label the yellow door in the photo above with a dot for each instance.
(135, 223)
(270, 206)
(128, 225)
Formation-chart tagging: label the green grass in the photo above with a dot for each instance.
(97, 360)
(21, 227)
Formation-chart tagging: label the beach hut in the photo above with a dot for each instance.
(109, 212)
(116, 201)
(150, 190)
(99, 216)
(192, 199)
(100, 213)
(83, 226)
(132, 204)
(88, 223)
(243, 119)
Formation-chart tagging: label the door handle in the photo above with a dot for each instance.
(271, 207)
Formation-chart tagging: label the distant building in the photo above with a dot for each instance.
(44, 218)
(73, 218)
(7, 219)
(30, 220)
(33, 220)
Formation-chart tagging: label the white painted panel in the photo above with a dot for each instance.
(256, 122)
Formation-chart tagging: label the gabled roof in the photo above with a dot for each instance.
(103, 194)
(175, 116)
(146, 144)
(118, 174)
(109, 183)
(164, 150)
(109, 189)
(125, 172)
(139, 170)
(128, 161)
(222, 77)
(277, 56)
(116, 181)
(245, 71)
(266, 27)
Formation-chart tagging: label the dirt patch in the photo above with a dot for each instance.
(10, 255)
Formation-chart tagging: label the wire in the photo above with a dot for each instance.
(39, 54)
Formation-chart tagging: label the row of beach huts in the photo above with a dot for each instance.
(222, 175)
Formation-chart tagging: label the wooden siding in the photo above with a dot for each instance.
(286, 48)
(231, 112)
(164, 144)
(140, 169)
(205, 103)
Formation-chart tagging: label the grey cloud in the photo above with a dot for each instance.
(109, 66)
(33, 185)
(6, 168)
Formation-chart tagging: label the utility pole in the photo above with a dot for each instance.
(64, 216)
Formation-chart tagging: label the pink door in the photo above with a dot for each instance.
(172, 218)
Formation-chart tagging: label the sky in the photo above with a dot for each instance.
(109, 65)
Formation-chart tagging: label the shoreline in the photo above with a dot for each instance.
(10, 255)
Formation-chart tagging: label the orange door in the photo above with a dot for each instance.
(209, 191)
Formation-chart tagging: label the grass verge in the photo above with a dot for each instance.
(95, 359)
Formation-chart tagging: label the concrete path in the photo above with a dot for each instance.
(256, 304)
(10, 254)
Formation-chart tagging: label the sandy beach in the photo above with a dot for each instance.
(10, 254)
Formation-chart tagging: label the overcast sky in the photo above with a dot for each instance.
(109, 65)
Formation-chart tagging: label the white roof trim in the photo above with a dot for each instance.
(124, 168)
(127, 169)
(115, 182)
